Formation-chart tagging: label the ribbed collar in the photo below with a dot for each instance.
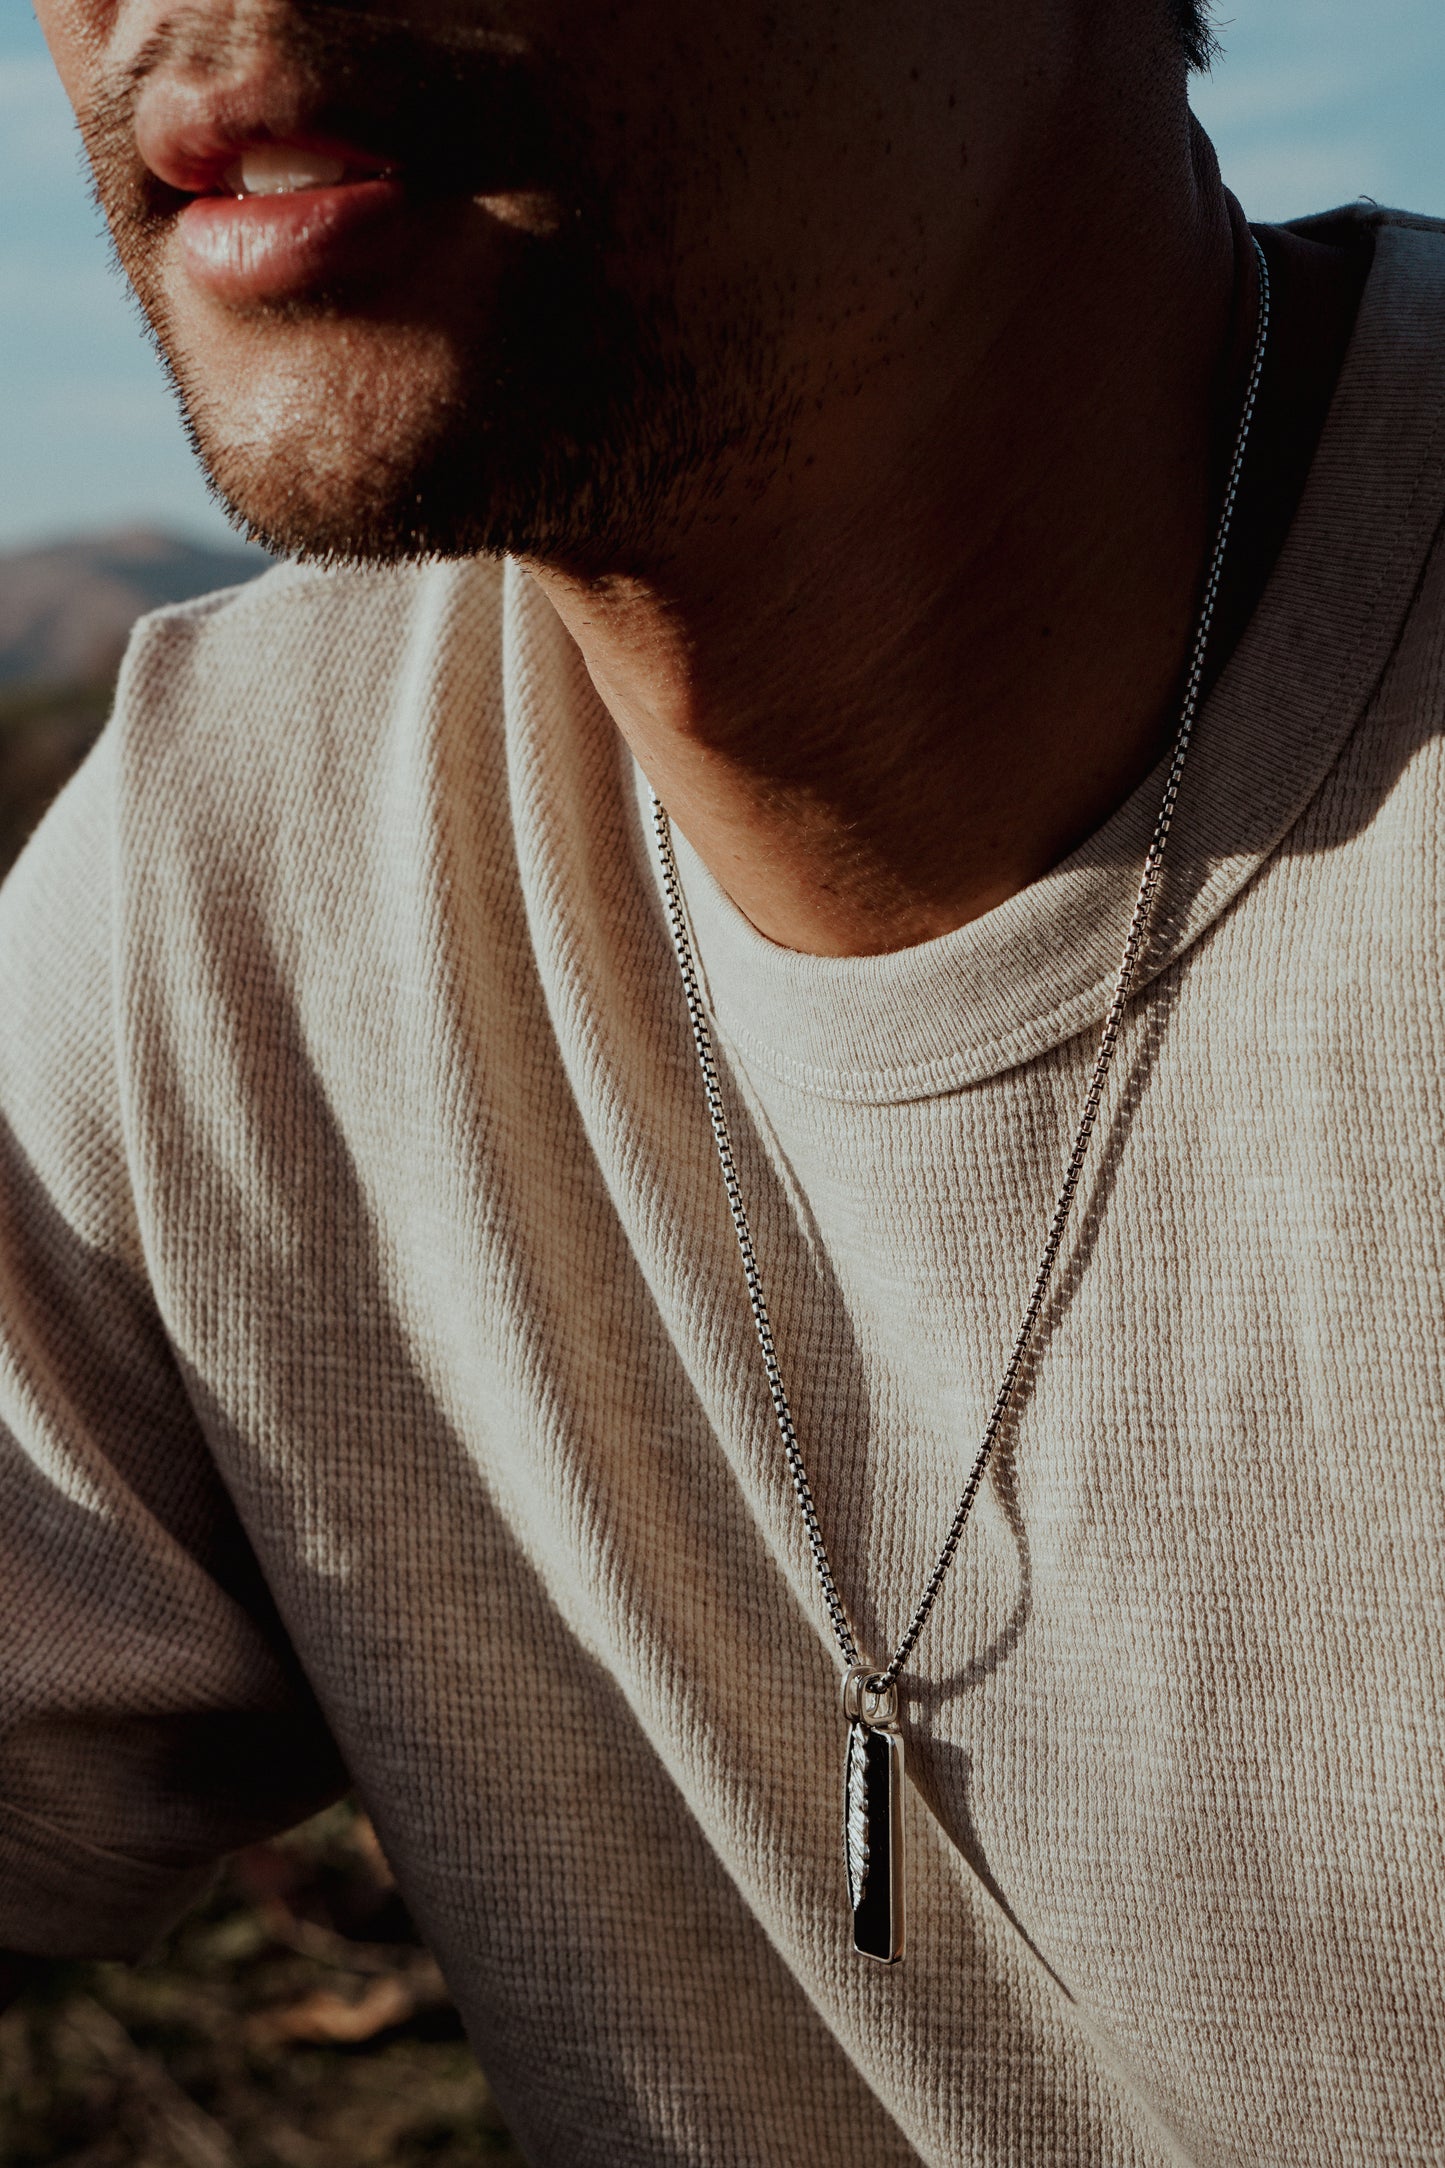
(1038, 969)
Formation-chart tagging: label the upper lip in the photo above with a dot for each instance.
(447, 128)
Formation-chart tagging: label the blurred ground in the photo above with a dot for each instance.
(44, 731)
(292, 2022)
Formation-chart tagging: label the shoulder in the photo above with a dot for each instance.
(301, 642)
(276, 713)
(1364, 217)
(1404, 257)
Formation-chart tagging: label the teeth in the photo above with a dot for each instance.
(277, 169)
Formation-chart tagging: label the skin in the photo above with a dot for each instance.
(854, 379)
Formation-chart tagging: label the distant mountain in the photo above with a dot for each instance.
(66, 611)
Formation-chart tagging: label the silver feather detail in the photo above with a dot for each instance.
(855, 1825)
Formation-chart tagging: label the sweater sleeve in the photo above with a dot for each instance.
(152, 1713)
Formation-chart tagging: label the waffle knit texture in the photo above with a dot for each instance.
(377, 1385)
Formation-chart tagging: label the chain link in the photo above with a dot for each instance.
(1134, 941)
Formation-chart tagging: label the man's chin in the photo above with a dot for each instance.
(337, 439)
(452, 500)
(356, 479)
(546, 416)
(342, 498)
(352, 510)
(319, 438)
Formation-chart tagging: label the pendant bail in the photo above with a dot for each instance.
(867, 1699)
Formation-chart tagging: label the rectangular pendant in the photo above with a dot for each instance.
(873, 1839)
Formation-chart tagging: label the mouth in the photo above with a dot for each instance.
(263, 207)
(272, 191)
(283, 218)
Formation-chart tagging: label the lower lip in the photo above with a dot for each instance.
(269, 248)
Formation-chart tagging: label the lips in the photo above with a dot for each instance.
(269, 245)
(339, 170)
(265, 205)
(284, 217)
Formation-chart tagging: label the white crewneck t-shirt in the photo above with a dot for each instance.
(377, 1384)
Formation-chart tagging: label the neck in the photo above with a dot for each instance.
(894, 685)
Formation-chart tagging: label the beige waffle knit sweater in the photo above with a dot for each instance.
(376, 1369)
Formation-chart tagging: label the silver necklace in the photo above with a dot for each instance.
(873, 1762)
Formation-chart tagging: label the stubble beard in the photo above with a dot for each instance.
(579, 440)
(572, 422)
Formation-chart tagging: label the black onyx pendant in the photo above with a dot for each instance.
(873, 1818)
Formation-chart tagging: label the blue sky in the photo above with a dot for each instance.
(1315, 101)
